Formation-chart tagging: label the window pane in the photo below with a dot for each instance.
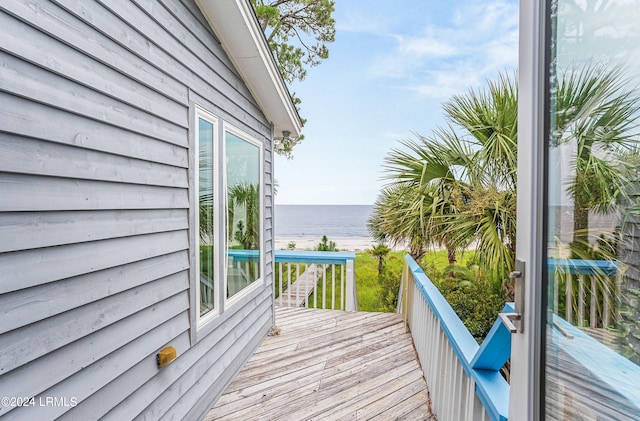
(593, 194)
(205, 188)
(243, 217)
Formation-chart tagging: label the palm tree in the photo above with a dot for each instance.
(402, 214)
(597, 112)
(246, 196)
(206, 217)
(380, 252)
(393, 219)
(468, 170)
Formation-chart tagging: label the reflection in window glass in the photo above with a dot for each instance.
(205, 211)
(593, 214)
(243, 213)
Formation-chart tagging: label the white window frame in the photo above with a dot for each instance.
(201, 113)
(228, 128)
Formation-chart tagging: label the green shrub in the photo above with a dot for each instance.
(472, 296)
(326, 245)
(389, 282)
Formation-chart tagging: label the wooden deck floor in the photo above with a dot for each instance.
(329, 365)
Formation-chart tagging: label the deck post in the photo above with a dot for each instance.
(351, 288)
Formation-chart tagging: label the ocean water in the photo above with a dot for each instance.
(317, 220)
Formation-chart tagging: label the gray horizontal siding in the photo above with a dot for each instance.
(94, 208)
(30, 156)
(110, 351)
(45, 229)
(42, 338)
(203, 374)
(57, 57)
(17, 309)
(27, 80)
(53, 368)
(60, 25)
(25, 118)
(39, 193)
(29, 268)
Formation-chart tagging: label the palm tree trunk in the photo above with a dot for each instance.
(416, 253)
(580, 241)
(451, 255)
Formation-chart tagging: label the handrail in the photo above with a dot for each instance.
(442, 342)
(585, 267)
(318, 257)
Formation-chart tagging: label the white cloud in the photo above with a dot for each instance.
(476, 41)
(425, 47)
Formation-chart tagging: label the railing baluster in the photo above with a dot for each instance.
(289, 284)
(247, 273)
(569, 297)
(297, 283)
(342, 307)
(333, 287)
(307, 272)
(594, 305)
(315, 283)
(324, 287)
(606, 297)
(281, 281)
(581, 300)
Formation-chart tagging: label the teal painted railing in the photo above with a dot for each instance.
(463, 377)
(300, 273)
(584, 292)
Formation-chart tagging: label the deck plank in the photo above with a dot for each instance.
(329, 364)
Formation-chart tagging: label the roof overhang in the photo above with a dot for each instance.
(236, 25)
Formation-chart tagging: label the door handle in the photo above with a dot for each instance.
(507, 318)
(514, 321)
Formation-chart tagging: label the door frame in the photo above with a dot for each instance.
(526, 400)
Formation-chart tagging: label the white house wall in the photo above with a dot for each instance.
(94, 209)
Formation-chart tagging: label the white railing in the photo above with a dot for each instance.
(584, 291)
(318, 279)
(463, 378)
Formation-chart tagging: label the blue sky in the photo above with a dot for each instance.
(391, 67)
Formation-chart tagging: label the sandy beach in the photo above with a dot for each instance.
(342, 243)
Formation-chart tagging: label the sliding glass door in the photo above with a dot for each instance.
(592, 330)
(580, 214)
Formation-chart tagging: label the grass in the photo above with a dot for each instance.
(372, 294)
(369, 287)
(468, 292)
(315, 299)
(434, 262)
